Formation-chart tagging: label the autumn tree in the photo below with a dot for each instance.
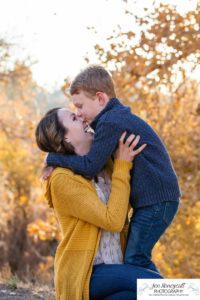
(22, 102)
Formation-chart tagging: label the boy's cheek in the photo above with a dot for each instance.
(88, 115)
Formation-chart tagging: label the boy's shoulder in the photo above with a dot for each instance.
(117, 114)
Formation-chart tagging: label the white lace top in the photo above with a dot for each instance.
(109, 251)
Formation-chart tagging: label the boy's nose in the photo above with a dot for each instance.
(78, 113)
(80, 118)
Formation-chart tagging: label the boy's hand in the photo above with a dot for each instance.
(47, 171)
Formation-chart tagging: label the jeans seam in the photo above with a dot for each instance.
(164, 214)
(149, 230)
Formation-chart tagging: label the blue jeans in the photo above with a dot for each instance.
(117, 282)
(146, 227)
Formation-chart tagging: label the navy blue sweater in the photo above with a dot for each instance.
(153, 178)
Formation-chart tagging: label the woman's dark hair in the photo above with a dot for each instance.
(50, 134)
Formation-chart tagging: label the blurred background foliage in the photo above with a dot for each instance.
(156, 74)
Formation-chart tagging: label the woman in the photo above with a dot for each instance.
(88, 261)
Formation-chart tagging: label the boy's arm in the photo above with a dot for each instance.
(105, 141)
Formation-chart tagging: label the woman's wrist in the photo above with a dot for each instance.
(123, 164)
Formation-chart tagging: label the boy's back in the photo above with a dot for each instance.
(153, 177)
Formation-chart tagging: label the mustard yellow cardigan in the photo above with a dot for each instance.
(81, 215)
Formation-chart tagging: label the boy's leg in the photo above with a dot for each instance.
(109, 280)
(146, 227)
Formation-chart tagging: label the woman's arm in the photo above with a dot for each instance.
(75, 196)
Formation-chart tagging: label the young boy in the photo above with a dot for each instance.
(154, 187)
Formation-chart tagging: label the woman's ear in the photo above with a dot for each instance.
(102, 98)
(66, 139)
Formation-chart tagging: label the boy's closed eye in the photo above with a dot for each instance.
(79, 106)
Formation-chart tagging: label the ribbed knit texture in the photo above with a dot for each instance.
(81, 214)
(153, 177)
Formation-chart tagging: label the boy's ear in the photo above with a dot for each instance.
(102, 98)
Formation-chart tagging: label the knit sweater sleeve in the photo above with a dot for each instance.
(73, 195)
(105, 141)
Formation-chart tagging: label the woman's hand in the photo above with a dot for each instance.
(125, 150)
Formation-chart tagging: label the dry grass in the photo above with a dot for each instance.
(11, 287)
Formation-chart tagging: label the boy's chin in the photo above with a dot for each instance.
(90, 120)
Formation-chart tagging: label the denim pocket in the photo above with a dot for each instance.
(170, 211)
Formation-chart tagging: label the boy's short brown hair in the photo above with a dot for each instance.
(91, 80)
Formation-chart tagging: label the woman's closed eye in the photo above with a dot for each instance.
(74, 117)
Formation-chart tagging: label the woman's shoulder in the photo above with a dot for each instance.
(59, 173)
